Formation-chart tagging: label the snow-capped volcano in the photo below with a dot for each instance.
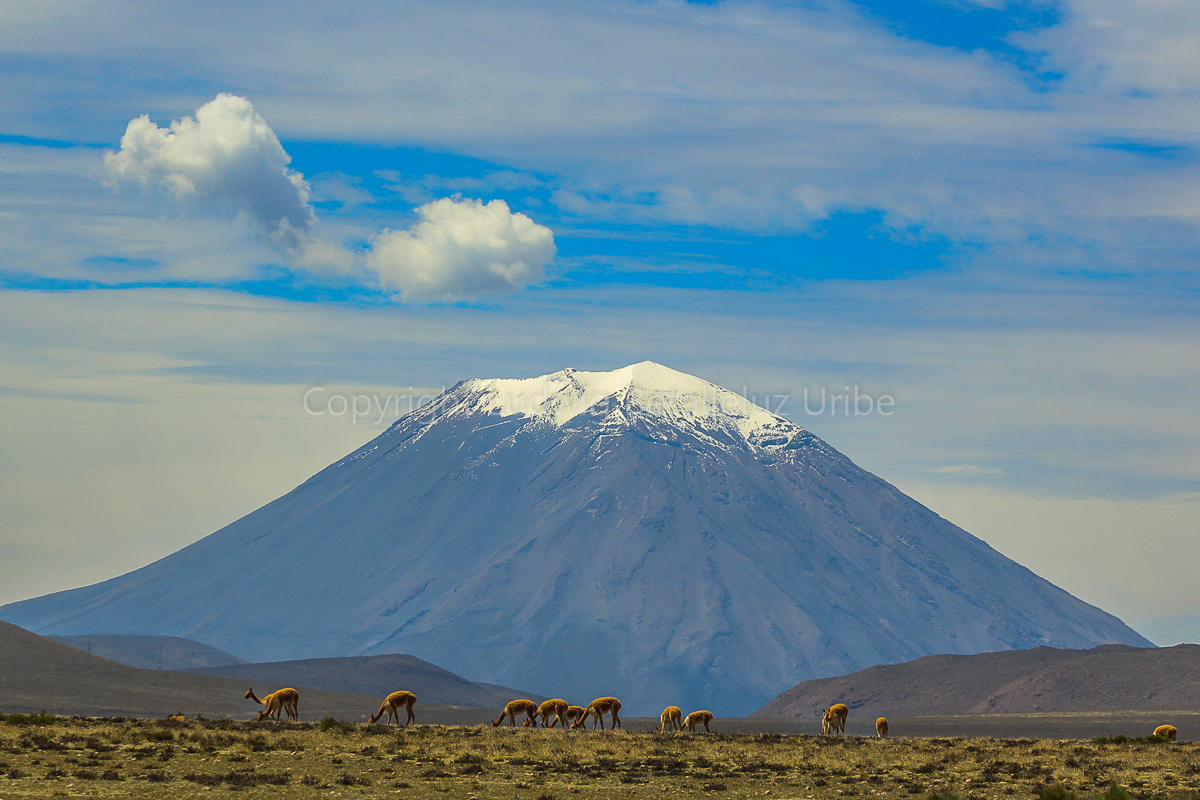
(645, 390)
(639, 532)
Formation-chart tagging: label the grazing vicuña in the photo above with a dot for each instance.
(833, 719)
(392, 703)
(598, 708)
(670, 719)
(285, 699)
(1166, 730)
(515, 709)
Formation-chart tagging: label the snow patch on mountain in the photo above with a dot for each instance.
(674, 397)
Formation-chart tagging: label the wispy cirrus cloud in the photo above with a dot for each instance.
(746, 115)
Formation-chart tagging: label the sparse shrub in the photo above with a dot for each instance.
(258, 743)
(472, 758)
(157, 776)
(335, 725)
(1056, 791)
(111, 775)
(14, 774)
(346, 779)
(715, 786)
(41, 718)
(943, 794)
(1123, 739)
(1115, 792)
(158, 735)
(40, 741)
(238, 779)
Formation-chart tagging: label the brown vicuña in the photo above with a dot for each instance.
(698, 718)
(392, 704)
(552, 712)
(670, 719)
(598, 708)
(1168, 731)
(283, 700)
(881, 727)
(515, 709)
(833, 719)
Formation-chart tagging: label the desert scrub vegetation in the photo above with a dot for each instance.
(174, 758)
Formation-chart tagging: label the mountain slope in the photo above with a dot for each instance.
(152, 652)
(374, 675)
(1110, 677)
(639, 532)
(37, 673)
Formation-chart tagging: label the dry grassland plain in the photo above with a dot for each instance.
(103, 758)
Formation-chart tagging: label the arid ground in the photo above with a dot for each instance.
(89, 757)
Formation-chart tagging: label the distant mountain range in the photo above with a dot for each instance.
(375, 675)
(640, 532)
(38, 673)
(1110, 677)
(369, 675)
(152, 652)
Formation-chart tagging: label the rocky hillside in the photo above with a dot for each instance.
(1111, 677)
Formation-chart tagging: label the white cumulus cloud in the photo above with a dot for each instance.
(227, 158)
(461, 248)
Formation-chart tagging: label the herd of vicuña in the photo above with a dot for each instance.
(552, 712)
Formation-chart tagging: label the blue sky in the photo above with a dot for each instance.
(986, 209)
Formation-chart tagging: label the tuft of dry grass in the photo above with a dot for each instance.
(183, 758)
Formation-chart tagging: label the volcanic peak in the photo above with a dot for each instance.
(668, 395)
